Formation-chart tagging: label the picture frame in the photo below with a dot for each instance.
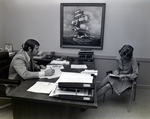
(8, 47)
(82, 25)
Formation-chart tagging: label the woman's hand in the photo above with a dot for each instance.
(116, 72)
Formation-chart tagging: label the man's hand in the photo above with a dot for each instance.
(49, 72)
(42, 67)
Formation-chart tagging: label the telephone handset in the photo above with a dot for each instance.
(52, 53)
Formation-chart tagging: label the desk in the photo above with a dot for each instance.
(45, 61)
(29, 105)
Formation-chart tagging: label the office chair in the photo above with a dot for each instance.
(131, 90)
(4, 69)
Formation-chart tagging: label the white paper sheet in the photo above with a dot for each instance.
(87, 71)
(75, 77)
(42, 87)
(57, 71)
(60, 62)
(80, 92)
(78, 66)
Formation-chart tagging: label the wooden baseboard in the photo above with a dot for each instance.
(146, 87)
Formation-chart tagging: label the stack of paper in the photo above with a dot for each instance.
(42, 87)
(87, 71)
(78, 66)
(70, 77)
(60, 62)
(57, 91)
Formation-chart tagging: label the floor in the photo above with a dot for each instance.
(114, 107)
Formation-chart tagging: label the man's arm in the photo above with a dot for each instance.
(21, 67)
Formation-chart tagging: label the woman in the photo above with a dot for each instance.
(127, 71)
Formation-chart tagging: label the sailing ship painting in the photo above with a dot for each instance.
(82, 27)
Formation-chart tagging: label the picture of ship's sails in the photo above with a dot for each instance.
(82, 26)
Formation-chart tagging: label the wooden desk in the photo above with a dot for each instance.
(29, 105)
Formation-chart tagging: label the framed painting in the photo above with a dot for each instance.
(8, 47)
(82, 25)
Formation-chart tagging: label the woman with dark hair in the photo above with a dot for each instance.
(127, 70)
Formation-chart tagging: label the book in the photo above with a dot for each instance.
(114, 75)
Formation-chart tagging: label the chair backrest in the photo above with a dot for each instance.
(138, 71)
(4, 64)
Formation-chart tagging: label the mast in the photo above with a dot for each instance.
(80, 24)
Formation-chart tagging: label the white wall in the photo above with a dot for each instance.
(126, 22)
(1, 23)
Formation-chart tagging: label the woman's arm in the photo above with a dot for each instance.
(134, 69)
(134, 73)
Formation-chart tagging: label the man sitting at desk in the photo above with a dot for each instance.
(23, 67)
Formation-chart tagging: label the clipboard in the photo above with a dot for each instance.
(113, 75)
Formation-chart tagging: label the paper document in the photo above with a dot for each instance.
(80, 92)
(78, 66)
(114, 75)
(42, 87)
(87, 71)
(11, 54)
(75, 78)
(60, 62)
(39, 57)
(56, 73)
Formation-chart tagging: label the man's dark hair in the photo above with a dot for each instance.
(30, 43)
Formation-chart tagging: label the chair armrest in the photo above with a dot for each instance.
(7, 81)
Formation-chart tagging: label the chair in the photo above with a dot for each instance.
(4, 69)
(131, 90)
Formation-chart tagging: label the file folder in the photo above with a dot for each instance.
(85, 95)
(77, 98)
(76, 85)
(76, 80)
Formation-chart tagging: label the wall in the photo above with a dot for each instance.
(104, 64)
(126, 22)
(1, 23)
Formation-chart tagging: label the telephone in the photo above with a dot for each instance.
(52, 55)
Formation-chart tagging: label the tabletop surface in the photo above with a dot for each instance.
(21, 93)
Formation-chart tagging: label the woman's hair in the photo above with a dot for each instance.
(126, 51)
(30, 43)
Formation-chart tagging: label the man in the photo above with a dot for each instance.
(22, 66)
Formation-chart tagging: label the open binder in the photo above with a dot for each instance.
(76, 85)
(76, 80)
(73, 94)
